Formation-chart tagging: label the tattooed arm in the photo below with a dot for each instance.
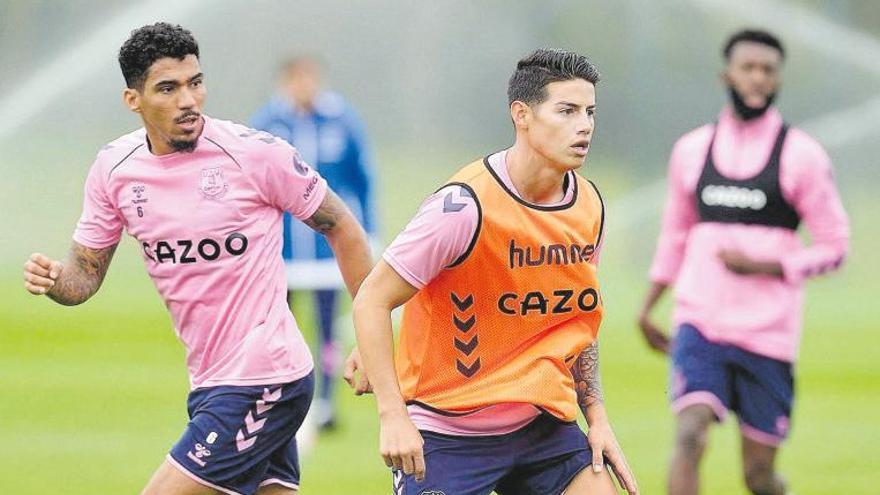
(70, 282)
(601, 437)
(346, 237)
(586, 378)
(349, 243)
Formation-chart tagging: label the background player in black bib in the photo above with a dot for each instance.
(738, 190)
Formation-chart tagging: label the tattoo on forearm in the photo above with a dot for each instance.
(586, 377)
(327, 215)
(83, 274)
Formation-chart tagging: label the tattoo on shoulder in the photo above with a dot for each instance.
(83, 274)
(586, 376)
(327, 215)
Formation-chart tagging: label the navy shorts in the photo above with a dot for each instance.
(540, 458)
(241, 438)
(758, 389)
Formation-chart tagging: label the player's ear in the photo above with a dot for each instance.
(519, 113)
(724, 76)
(132, 99)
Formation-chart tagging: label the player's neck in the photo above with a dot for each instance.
(535, 177)
(158, 146)
(302, 105)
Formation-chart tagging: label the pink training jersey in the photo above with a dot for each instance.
(433, 240)
(761, 314)
(209, 226)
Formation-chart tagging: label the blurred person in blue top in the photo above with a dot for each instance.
(330, 136)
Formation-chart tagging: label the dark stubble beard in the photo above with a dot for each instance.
(744, 111)
(184, 146)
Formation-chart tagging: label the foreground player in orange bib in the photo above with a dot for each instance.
(498, 346)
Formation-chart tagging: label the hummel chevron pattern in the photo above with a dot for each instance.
(464, 324)
(397, 480)
(254, 421)
(468, 371)
(449, 204)
(467, 348)
(252, 426)
(269, 400)
(462, 304)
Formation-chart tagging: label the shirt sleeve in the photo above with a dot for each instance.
(100, 224)
(289, 183)
(679, 215)
(817, 201)
(597, 253)
(439, 234)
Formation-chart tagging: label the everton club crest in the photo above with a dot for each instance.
(213, 185)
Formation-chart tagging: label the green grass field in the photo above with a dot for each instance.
(92, 397)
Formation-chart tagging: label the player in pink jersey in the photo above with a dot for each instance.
(204, 198)
(738, 190)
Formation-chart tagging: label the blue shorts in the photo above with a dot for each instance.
(241, 438)
(540, 458)
(758, 389)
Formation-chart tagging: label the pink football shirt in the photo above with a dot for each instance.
(757, 313)
(209, 226)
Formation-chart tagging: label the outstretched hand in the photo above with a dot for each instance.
(737, 262)
(741, 264)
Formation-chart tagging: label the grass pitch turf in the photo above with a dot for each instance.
(91, 398)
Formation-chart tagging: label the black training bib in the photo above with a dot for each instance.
(757, 200)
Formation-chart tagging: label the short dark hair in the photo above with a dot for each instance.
(543, 66)
(754, 36)
(150, 43)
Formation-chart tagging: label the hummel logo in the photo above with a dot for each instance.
(199, 457)
(202, 451)
(140, 194)
(553, 254)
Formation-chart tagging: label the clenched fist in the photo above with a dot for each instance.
(40, 273)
